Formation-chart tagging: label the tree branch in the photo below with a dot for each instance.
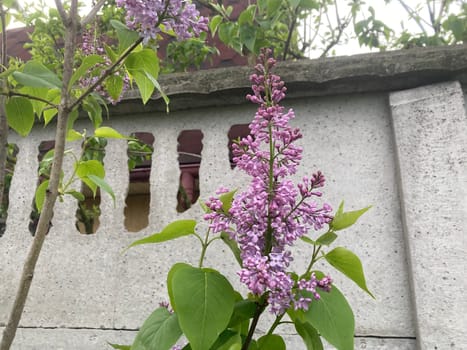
(106, 73)
(414, 15)
(291, 29)
(3, 121)
(14, 93)
(88, 19)
(61, 11)
(71, 25)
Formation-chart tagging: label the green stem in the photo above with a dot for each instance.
(205, 246)
(277, 322)
(260, 307)
(313, 258)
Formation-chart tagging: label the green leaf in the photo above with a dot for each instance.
(272, 7)
(248, 36)
(232, 244)
(111, 53)
(90, 167)
(114, 86)
(228, 340)
(108, 132)
(214, 24)
(77, 195)
(173, 230)
(327, 238)
(308, 240)
(49, 113)
(333, 318)
(126, 37)
(143, 61)
(143, 67)
(160, 331)
(73, 135)
(271, 342)
(309, 4)
(94, 109)
(343, 220)
(120, 347)
(349, 264)
(247, 16)
(170, 277)
(310, 336)
(87, 63)
(243, 311)
(20, 115)
(159, 89)
(226, 199)
(74, 114)
(35, 74)
(204, 302)
(36, 92)
(39, 198)
(145, 86)
(102, 184)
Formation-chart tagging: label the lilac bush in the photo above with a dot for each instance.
(273, 212)
(260, 225)
(150, 17)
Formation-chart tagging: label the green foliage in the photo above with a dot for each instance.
(333, 318)
(271, 342)
(160, 331)
(186, 55)
(343, 220)
(40, 195)
(173, 230)
(20, 114)
(203, 299)
(309, 334)
(143, 67)
(349, 264)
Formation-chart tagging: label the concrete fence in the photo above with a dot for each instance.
(387, 130)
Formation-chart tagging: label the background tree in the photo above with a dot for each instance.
(50, 89)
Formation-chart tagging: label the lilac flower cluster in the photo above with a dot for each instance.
(92, 45)
(147, 16)
(272, 213)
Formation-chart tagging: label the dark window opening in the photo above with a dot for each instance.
(189, 159)
(137, 202)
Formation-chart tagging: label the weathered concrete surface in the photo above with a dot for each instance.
(96, 339)
(430, 127)
(385, 71)
(84, 281)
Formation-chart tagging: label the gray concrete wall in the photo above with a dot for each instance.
(401, 149)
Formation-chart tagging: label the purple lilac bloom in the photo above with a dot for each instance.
(273, 212)
(146, 16)
(92, 45)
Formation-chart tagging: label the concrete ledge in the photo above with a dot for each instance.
(386, 71)
(97, 339)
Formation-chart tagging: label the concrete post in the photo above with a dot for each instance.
(430, 127)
